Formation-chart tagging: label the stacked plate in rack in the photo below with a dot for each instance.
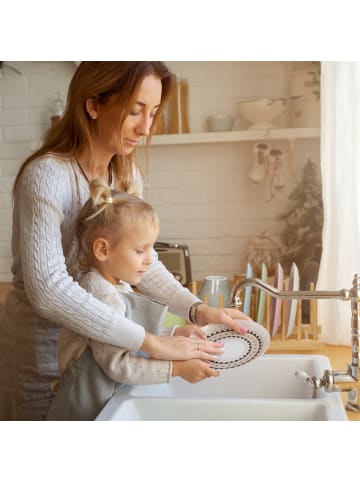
(276, 306)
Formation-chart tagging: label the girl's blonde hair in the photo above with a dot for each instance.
(109, 214)
(113, 83)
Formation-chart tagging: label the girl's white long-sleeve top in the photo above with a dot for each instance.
(119, 364)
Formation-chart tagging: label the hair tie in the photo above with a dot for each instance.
(108, 200)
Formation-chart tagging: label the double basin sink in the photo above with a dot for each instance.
(265, 389)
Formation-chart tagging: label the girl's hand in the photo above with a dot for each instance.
(180, 347)
(189, 330)
(193, 371)
(228, 316)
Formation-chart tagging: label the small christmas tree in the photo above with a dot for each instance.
(302, 237)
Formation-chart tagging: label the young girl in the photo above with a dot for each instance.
(116, 233)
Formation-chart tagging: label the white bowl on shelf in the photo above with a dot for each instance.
(262, 113)
(220, 122)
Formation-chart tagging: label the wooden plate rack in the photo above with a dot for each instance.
(304, 335)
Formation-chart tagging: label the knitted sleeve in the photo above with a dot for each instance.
(42, 196)
(161, 285)
(124, 367)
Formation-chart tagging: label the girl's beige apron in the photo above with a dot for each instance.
(84, 388)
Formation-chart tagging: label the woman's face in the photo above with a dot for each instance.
(108, 139)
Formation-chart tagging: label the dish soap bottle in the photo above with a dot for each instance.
(57, 109)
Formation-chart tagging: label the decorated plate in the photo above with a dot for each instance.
(260, 315)
(248, 290)
(276, 303)
(238, 349)
(291, 305)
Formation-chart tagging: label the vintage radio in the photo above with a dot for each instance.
(176, 258)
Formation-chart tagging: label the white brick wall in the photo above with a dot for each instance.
(24, 117)
(205, 200)
(202, 191)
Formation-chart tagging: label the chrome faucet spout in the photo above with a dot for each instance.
(286, 295)
(335, 380)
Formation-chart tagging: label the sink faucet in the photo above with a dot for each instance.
(332, 380)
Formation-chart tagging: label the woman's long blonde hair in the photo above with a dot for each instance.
(110, 214)
(107, 82)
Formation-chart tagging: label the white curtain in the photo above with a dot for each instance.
(340, 168)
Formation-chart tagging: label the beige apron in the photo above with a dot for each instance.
(84, 388)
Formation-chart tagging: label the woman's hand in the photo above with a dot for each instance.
(180, 347)
(228, 316)
(188, 330)
(193, 371)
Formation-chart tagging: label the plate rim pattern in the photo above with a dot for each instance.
(256, 343)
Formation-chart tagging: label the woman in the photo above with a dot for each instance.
(110, 107)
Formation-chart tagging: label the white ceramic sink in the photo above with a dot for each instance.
(185, 409)
(267, 384)
(270, 376)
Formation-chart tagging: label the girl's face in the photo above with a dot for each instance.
(128, 259)
(106, 135)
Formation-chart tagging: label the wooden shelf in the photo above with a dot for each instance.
(290, 134)
(236, 136)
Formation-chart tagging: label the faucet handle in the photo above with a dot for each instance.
(302, 376)
(315, 382)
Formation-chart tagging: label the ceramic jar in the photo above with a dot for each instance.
(215, 291)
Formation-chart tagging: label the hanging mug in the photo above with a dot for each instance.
(259, 167)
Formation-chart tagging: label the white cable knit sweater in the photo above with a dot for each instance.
(49, 197)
